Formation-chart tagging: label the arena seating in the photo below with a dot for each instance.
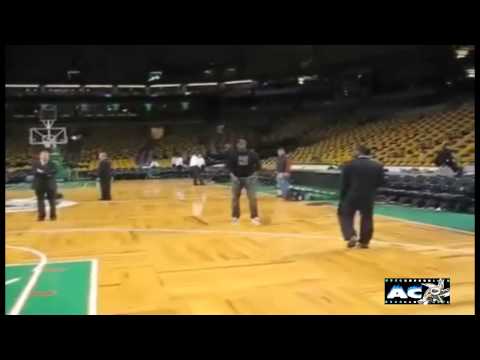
(124, 144)
(399, 141)
(299, 126)
(18, 152)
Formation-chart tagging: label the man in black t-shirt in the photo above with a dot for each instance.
(243, 165)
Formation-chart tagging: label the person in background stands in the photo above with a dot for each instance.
(243, 165)
(360, 179)
(227, 148)
(445, 158)
(177, 162)
(174, 161)
(104, 173)
(283, 173)
(44, 183)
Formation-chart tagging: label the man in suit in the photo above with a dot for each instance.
(104, 173)
(359, 182)
(243, 165)
(44, 183)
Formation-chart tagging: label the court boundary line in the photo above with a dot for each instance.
(420, 247)
(50, 263)
(166, 230)
(428, 225)
(251, 233)
(93, 290)
(12, 281)
(420, 223)
(195, 231)
(37, 271)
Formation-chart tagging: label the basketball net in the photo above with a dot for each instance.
(48, 136)
(48, 139)
(48, 143)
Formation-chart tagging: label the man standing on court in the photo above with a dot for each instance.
(283, 172)
(201, 167)
(44, 183)
(104, 173)
(196, 162)
(177, 162)
(243, 165)
(358, 185)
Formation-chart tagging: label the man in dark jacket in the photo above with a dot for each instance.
(445, 158)
(359, 182)
(44, 183)
(243, 164)
(104, 173)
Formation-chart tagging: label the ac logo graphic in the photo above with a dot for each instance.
(417, 291)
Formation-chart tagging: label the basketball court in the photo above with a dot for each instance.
(167, 247)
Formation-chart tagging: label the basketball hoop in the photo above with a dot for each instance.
(48, 136)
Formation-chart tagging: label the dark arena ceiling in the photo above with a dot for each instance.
(133, 63)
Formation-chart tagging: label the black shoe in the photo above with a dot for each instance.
(41, 219)
(53, 218)
(363, 246)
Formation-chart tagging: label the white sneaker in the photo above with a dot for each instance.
(256, 221)
(352, 242)
(235, 221)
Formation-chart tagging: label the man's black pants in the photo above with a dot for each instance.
(454, 166)
(197, 176)
(346, 215)
(51, 195)
(250, 184)
(105, 188)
